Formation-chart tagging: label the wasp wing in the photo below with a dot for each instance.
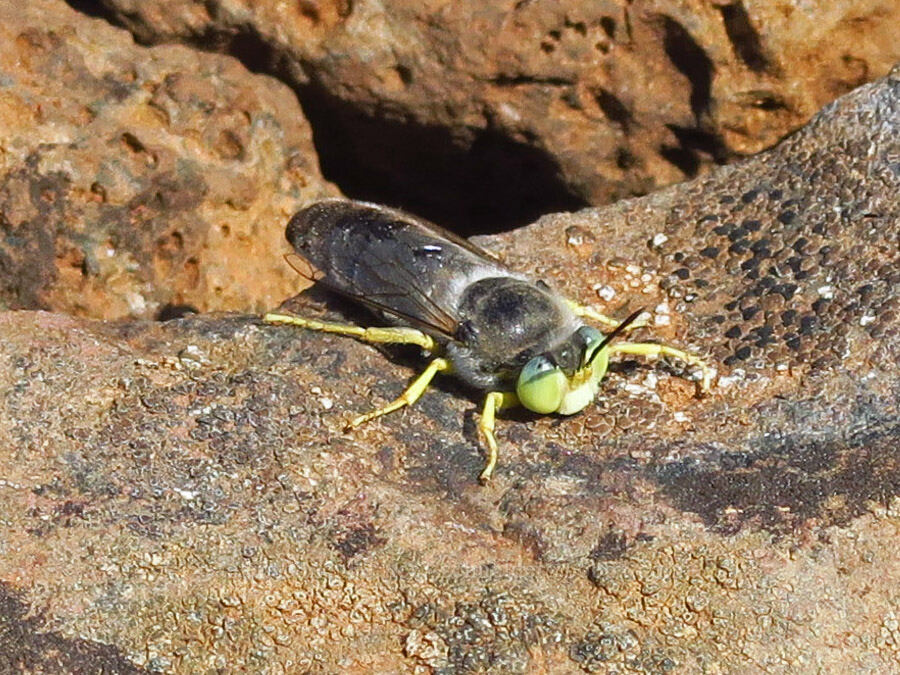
(313, 275)
(406, 268)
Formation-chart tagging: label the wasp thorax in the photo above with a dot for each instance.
(513, 318)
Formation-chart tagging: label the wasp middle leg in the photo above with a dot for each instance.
(494, 401)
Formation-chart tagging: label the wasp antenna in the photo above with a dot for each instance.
(618, 330)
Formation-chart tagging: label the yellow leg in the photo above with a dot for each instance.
(389, 335)
(652, 349)
(587, 312)
(410, 395)
(493, 402)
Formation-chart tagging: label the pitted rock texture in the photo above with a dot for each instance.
(27, 646)
(784, 271)
(495, 113)
(197, 505)
(134, 181)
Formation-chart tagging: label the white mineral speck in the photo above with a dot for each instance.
(510, 112)
(136, 302)
(635, 389)
(737, 375)
(606, 293)
(185, 494)
(659, 239)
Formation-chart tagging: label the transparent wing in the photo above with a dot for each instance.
(390, 261)
(398, 294)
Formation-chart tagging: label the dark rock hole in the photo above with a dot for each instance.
(484, 183)
(613, 108)
(91, 7)
(691, 60)
(175, 311)
(692, 143)
(608, 24)
(743, 36)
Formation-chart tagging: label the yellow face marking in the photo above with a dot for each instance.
(580, 377)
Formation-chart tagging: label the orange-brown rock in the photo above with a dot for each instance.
(494, 113)
(136, 181)
(196, 506)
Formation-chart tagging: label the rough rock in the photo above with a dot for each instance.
(197, 506)
(785, 270)
(137, 180)
(488, 114)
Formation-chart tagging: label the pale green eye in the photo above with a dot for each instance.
(593, 338)
(541, 385)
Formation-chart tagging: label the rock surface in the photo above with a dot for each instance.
(196, 506)
(137, 180)
(495, 113)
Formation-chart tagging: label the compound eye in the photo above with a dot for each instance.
(592, 339)
(541, 385)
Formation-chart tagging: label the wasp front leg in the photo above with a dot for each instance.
(654, 350)
(588, 312)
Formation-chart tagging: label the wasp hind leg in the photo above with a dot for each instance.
(653, 349)
(588, 312)
(409, 396)
(493, 402)
(381, 335)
